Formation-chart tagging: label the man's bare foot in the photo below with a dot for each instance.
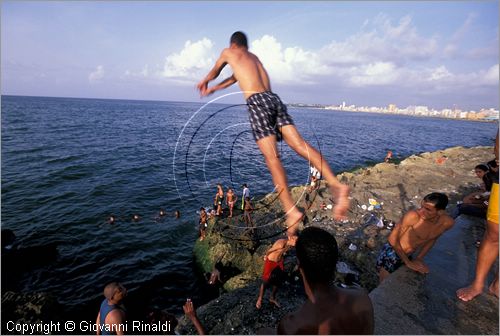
(468, 293)
(258, 304)
(275, 303)
(293, 217)
(493, 288)
(341, 202)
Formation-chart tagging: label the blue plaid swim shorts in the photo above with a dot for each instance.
(388, 259)
(267, 115)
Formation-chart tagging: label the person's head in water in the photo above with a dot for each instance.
(239, 38)
(111, 219)
(162, 213)
(177, 214)
(317, 253)
(115, 292)
(136, 218)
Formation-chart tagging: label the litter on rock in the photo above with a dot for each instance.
(352, 247)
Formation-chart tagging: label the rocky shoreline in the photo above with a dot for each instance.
(393, 188)
(380, 195)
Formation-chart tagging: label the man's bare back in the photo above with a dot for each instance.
(279, 248)
(248, 71)
(337, 311)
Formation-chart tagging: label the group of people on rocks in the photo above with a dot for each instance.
(228, 199)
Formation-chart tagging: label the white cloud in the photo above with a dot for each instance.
(193, 60)
(380, 73)
(289, 64)
(382, 53)
(96, 75)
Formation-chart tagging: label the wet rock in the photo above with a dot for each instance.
(396, 188)
(29, 308)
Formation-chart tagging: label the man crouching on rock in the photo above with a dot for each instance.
(329, 310)
(273, 261)
(418, 230)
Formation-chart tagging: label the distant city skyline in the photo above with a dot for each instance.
(437, 54)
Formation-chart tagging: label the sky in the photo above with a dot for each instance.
(367, 53)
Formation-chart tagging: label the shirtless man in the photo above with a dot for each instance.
(219, 197)
(203, 223)
(418, 230)
(231, 199)
(329, 310)
(247, 214)
(270, 123)
(274, 258)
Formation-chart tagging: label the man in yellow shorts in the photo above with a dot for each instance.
(488, 251)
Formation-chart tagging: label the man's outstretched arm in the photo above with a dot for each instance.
(213, 74)
(222, 85)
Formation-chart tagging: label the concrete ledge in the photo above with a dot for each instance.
(410, 303)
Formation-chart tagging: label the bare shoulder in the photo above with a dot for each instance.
(280, 243)
(410, 218)
(447, 221)
(116, 316)
(290, 324)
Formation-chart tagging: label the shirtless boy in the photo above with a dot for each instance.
(270, 123)
(418, 230)
(203, 223)
(274, 258)
(231, 199)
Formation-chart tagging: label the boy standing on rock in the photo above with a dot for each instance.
(274, 259)
(418, 230)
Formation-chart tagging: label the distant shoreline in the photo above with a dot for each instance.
(288, 105)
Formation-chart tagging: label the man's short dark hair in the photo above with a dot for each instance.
(482, 167)
(317, 253)
(439, 200)
(240, 39)
(492, 164)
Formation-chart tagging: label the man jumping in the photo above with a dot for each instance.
(270, 123)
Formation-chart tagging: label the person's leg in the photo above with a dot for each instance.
(269, 149)
(300, 146)
(258, 304)
(272, 299)
(487, 254)
(382, 275)
(493, 289)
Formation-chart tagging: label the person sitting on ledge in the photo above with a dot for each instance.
(329, 310)
(417, 230)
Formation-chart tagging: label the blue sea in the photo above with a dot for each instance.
(68, 164)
